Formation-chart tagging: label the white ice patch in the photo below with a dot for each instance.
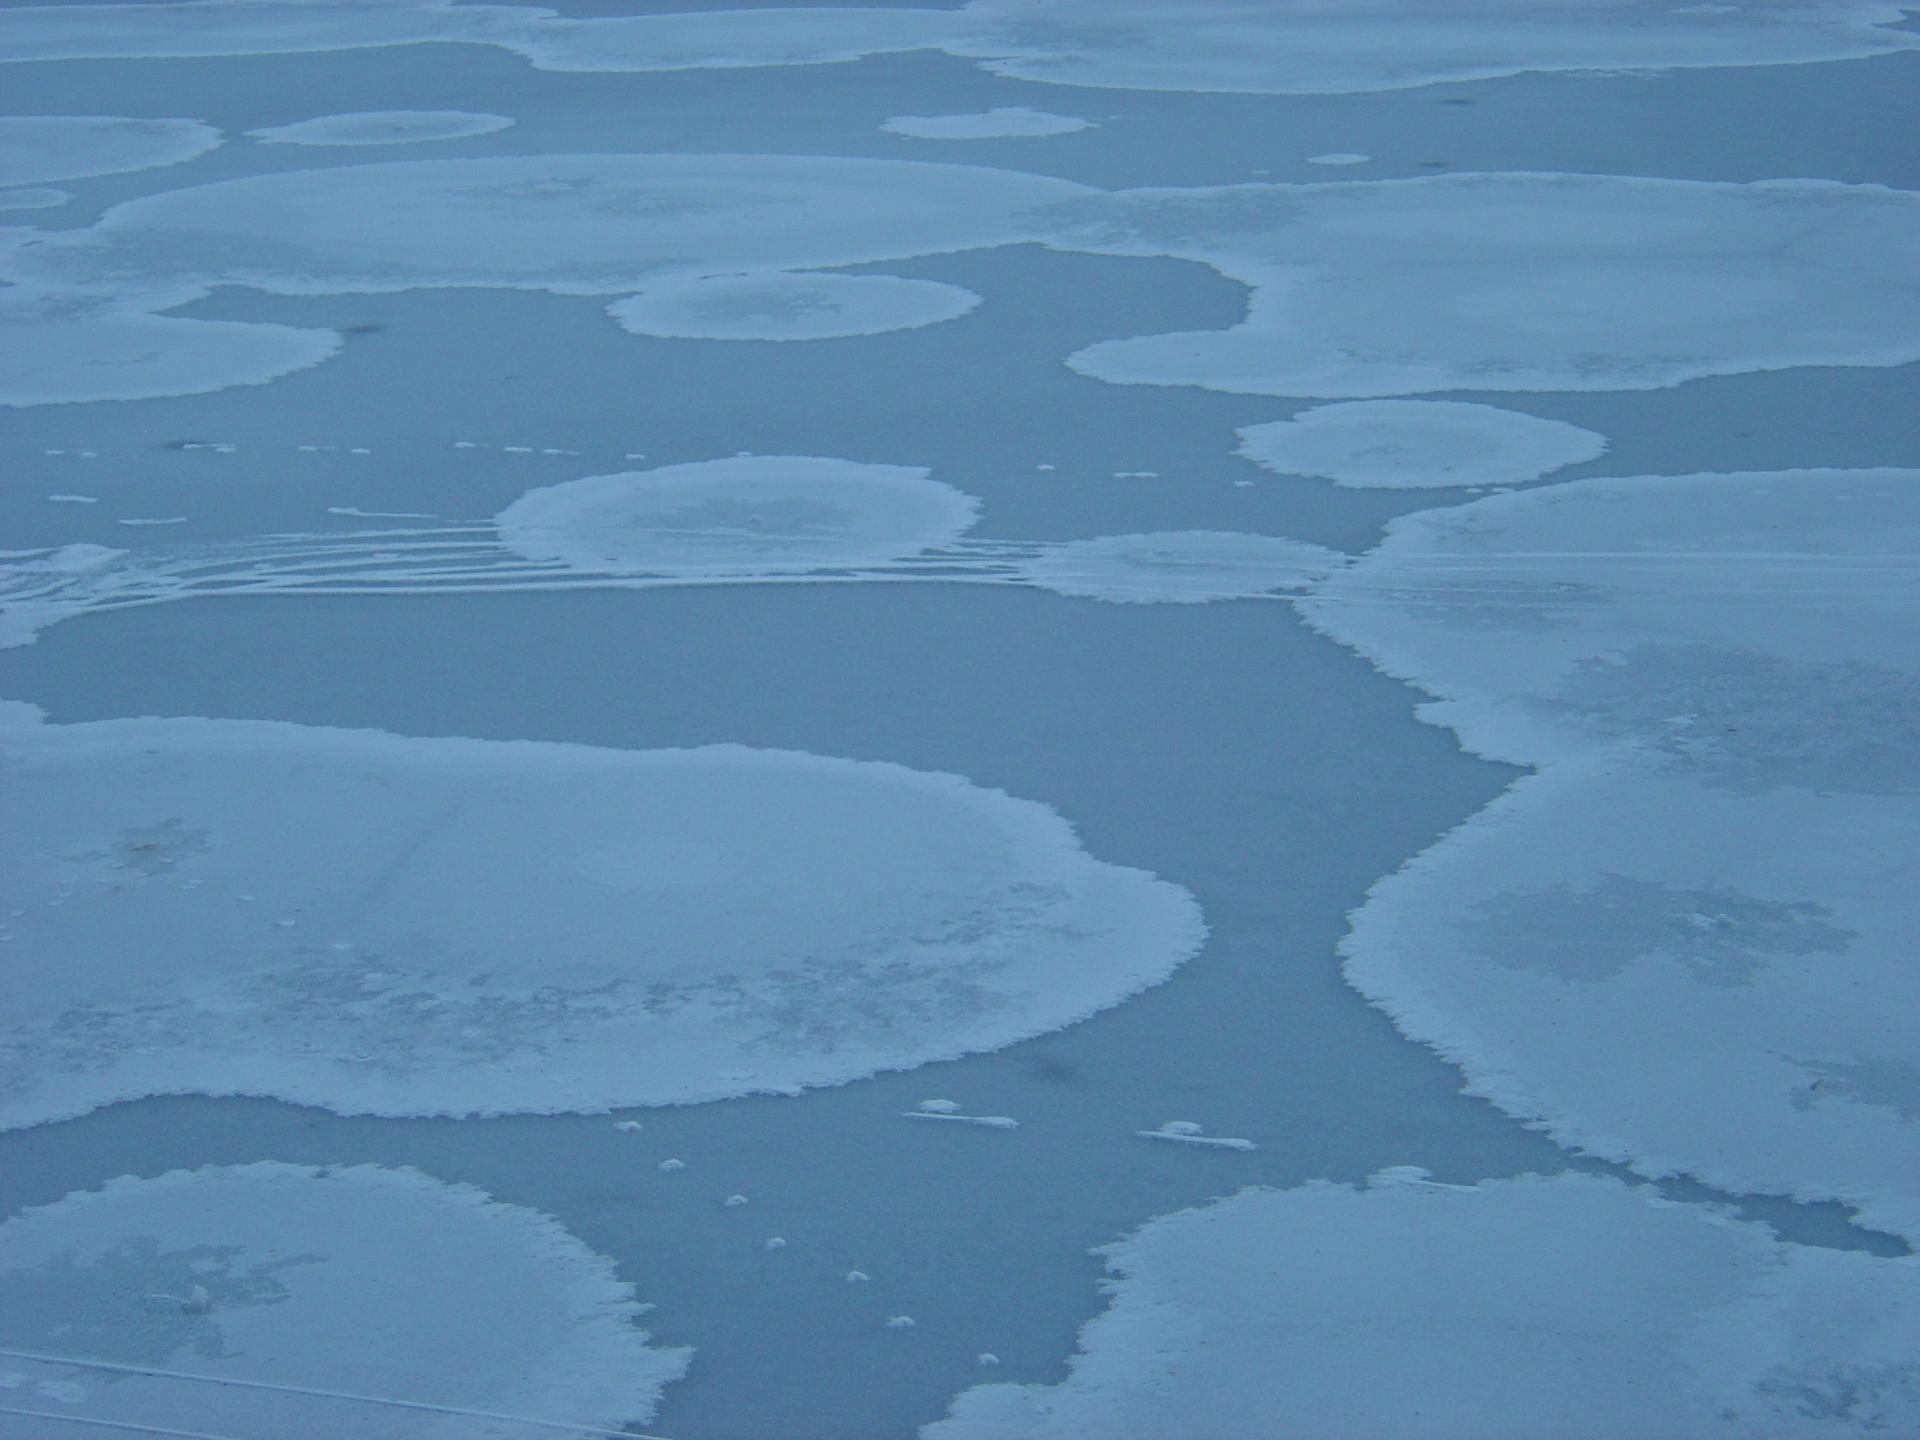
(383, 127)
(753, 515)
(1516, 282)
(571, 224)
(1417, 444)
(282, 1281)
(35, 148)
(34, 197)
(1409, 1312)
(1005, 122)
(1250, 46)
(789, 307)
(1182, 567)
(488, 927)
(1686, 944)
(70, 348)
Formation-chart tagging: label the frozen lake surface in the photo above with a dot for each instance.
(673, 677)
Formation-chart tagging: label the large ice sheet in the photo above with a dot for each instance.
(1568, 1306)
(375, 1282)
(441, 926)
(1686, 944)
(34, 148)
(1517, 282)
(383, 127)
(665, 225)
(789, 307)
(1256, 46)
(1417, 444)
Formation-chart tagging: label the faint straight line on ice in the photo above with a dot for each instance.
(565, 1426)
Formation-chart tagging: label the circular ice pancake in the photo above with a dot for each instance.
(255, 1286)
(410, 927)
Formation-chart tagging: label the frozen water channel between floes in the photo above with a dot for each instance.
(708, 813)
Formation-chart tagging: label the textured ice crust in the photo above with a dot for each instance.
(1570, 1306)
(746, 516)
(1003, 122)
(1687, 943)
(1417, 444)
(370, 1281)
(36, 148)
(1254, 46)
(1182, 567)
(383, 127)
(1516, 282)
(789, 307)
(401, 926)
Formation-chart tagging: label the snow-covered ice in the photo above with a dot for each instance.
(1417, 444)
(362, 1281)
(1566, 1305)
(530, 927)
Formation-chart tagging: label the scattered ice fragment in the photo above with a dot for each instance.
(940, 1107)
(856, 1277)
(1186, 1132)
(1046, 467)
(992, 1122)
(775, 1242)
(899, 1322)
(987, 1358)
(1339, 157)
(1599, 1308)
(789, 307)
(630, 1127)
(672, 1165)
(735, 1201)
(359, 450)
(458, 445)
(260, 1270)
(1183, 567)
(1412, 444)
(1002, 123)
(1136, 474)
(74, 499)
(518, 449)
(379, 514)
(155, 520)
(71, 147)
(383, 127)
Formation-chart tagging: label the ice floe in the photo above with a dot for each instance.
(272, 1299)
(383, 127)
(35, 148)
(1003, 122)
(1570, 1306)
(1417, 444)
(1251, 46)
(494, 927)
(34, 197)
(789, 307)
(1190, 1132)
(68, 346)
(757, 515)
(1686, 943)
(1183, 567)
(1516, 282)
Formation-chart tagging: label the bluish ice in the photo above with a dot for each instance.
(669, 677)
